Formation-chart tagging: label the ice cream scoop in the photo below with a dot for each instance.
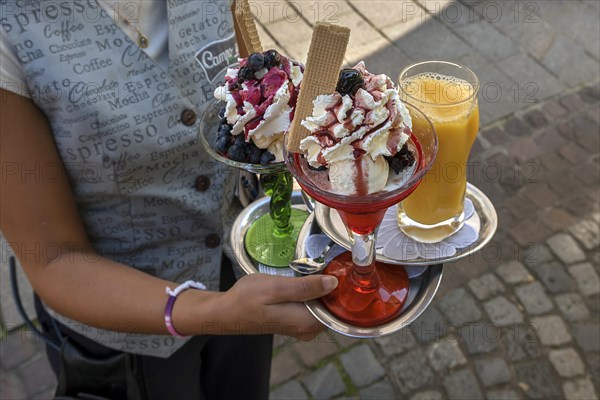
(260, 96)
(357, 132)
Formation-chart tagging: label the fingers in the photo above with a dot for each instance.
(294, 320)
(283, 289)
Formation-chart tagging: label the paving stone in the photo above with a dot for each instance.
(590, 94)
(521, 342)
(462, 384)
(572, 306)
(528, 231)
(581, 389)
(551, 330)
(537, 381)
(514, 272)
(537, 254)
(429, 326)
(586, 278)
(557, 219)
(480, 338)
(288, 391)
(534, 298)
(566, 362)
(502, 394)
(586, 335)
(535, 118)
(486, 286)
(284, 366)
(324, 383)
(565, 248)
(381, 390)
(427, 395)
(541, 195)
(397, 343)
(554, 277)
(345, 341)
(550, 139)
(480, 33)
(553, 109)
(37, 375)
(460, 307)
(410, 371)
(502, 312)
(492, 371)
(16, 348)
(361, 365)
(516, 127)
(592, 360)
(445, 354)
(313, 351)
(571, 102)
(558, 60)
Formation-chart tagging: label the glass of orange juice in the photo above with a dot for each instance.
(447, 93)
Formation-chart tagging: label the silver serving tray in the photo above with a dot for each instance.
(421, 291)
(242, 223)
(484, 220)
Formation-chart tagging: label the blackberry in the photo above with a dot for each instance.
(272, 58)
(245, 74)
(349, 81)
(401, 160)
(321, 168)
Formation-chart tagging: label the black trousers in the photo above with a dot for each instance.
(206, 367)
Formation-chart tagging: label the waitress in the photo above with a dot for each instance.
(108, 199)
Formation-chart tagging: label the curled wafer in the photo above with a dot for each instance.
(245, 28)
(325, 58)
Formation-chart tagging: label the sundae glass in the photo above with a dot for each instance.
(244, 128)
(366, 152)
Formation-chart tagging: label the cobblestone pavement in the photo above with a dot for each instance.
(519, 319)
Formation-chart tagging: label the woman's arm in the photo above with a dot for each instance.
(38, 214)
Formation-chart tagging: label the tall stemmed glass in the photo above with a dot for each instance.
(369, 293)
(271, 240)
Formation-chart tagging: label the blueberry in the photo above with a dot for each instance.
(223, 144)
(256, 61)
(266, 157)
(349, 81)
(239, 141)
(222, 112)
(236, 153)
(224, 130)
(245, 74)
(254, 155)
(272, 58)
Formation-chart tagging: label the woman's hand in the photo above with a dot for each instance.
(261, 303)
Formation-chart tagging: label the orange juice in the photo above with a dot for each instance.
(451, 105)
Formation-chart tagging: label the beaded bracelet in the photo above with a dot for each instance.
(172, 297)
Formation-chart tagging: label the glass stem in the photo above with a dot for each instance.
(363, 257)
(279, 186)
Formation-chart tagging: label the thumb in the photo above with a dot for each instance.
(301, 289)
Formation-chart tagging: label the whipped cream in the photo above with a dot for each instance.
(351, 134)
(262, 108)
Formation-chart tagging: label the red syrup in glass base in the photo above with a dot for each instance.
(366, 300)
